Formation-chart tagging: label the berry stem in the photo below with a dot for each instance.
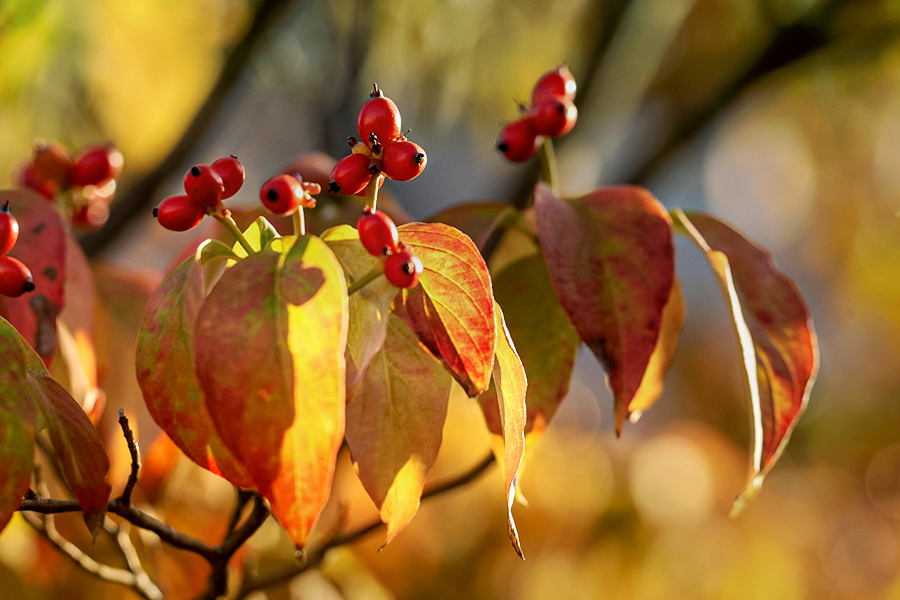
(299, 222)
(372, 193)
(548, 165)
(231, 226)
(365, 280)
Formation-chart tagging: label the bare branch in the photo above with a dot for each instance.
(135, 452)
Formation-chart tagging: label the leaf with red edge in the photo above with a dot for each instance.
(478, 220)
(775, 331)
(269, 348)
(612, 262)
(18, 423)
(165, 355)
(394, 424)
(452, 308)
(42, 247)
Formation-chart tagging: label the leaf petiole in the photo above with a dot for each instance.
(299, 222)
(231, 226)
(365, 280)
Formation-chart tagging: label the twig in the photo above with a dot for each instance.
(135, 452)
(243, 497)
(128, 551)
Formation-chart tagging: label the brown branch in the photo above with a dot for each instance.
(125, 497)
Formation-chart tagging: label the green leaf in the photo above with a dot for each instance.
(394, 424)
(269, 348)
(775, 331)
(213, 250)
(259, 234)
(612, 262)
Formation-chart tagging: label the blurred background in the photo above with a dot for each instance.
(779, 116)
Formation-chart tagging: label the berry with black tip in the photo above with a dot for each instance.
(179, 213)
(404, 160)
(351, 174)
(282, 194)
(379, 116)
(519, 141)
(9, 229)
(15, 277)
(377, 233)
(232, 173)
(553, 117)
(403, 268)
(203, 185)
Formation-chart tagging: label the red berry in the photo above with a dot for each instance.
(404, 160)
(91, 215)
(15, 277)
(281, 194)
(553, 117)
(51, 162)
(28, 180)
(203, 185)
(179, 213)
(232, 173)
(96, 164)
(402, 268)
(379, 115)
(9, 229)
(377, 233)
(558, 83)
(350, 175)
(518, 141)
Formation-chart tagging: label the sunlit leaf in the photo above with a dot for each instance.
(258, 235)
(478, 220)
(775, 331)
(394, 424)
(270, 344)
(611, 259)
(42, 247)
(165, 354)
(452, 310)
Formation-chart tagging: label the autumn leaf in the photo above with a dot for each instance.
(775, 331)
(478, 220)
(452, 309)
(42, 247)
(394, 424)
(259, 235)
(165, 353)
(269, 346)
(612, 262)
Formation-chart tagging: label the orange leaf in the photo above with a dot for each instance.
(165, 353)
(269, 347)
(452, 309)
(612, 262)
(775, 331)
(394, 424)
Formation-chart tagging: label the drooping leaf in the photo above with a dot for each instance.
(269, 347)
(452, 309)
(18, 423)
(394, 424)
(611, 259)
(369, 307)
(42, 247)
(775, 331)
(259, 234)
(478, 220)
(505, 414)
(165, 355)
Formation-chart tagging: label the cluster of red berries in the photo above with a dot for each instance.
(91, 174)
(205, 187)
(284, 194)
(15, 277)
(381, 149)
(378, 235)
(552, 114)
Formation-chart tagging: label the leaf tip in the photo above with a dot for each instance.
(746, 496)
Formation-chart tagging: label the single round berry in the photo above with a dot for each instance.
(404, 160)
(28, 180)
(96, 164)
(15, 277)
(518, 141)
(553, 117)
(203, 185)
(91, 215)
(379, 116)
(179, 213)
(9, 229)
(350, 175)
(402, 268)
(558, 83)
(281, 194)
(51, 162)
(377, 233)
(232, 173)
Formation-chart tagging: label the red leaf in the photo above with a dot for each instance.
(612, 262)
(394, 424)
(18, 423)
(269, 346)
(165, 353)
(452, 310)
(774, 327)
(42, 247)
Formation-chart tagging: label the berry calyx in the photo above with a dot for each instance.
(204, 185)
(518, 141)
(95, 164)
(553, 117)
(9, 229)
(558, 83)
(232, 173)
(377, 233)
(179, 213)
(379, 116)
(403, 268)
(51, 163)
(350, 175)
(15, 277)
(404, 160)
